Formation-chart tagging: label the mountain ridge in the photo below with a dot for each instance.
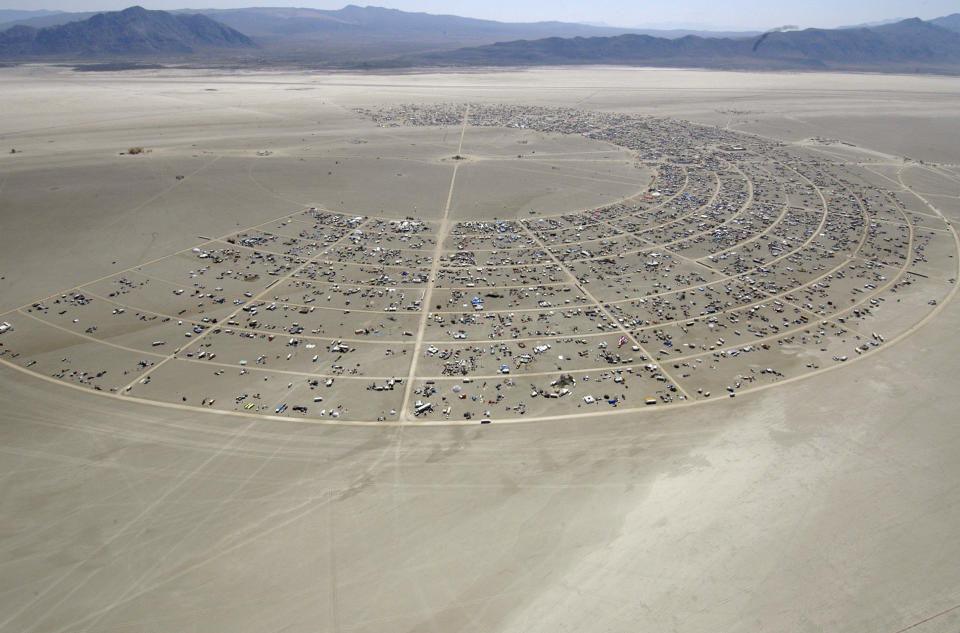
(133, 31)
(356, 37)
(911, 41)
(266, 22)
(951, 22)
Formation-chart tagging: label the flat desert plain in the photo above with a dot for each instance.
(709, 317)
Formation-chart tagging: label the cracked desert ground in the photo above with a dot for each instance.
(825, 501)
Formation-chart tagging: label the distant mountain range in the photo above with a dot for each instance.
(373, 37)
(359, 33)
(133, 31)
(911, 44)
(10, 15)
(354, 33)
(268, 22)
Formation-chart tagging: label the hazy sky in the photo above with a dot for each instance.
(753, 14)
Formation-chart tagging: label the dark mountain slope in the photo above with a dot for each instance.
(951, 22)
(908, 41)
(131, 32)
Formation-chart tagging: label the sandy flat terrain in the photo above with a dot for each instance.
(822, 501)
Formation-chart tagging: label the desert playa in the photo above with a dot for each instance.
(567, 349)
